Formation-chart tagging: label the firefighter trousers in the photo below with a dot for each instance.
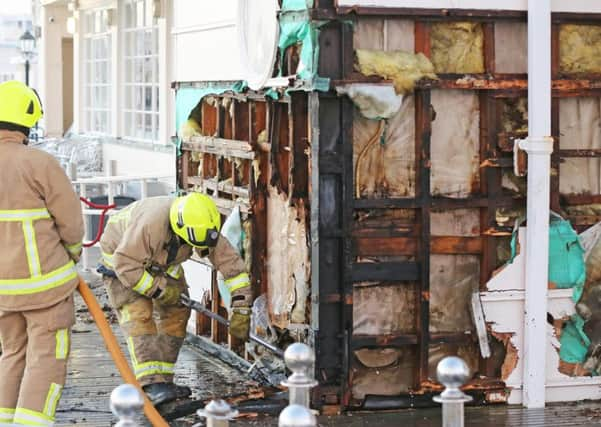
(33, 365)
(154, 332)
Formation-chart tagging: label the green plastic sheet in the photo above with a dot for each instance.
(567, 268)
(574, 342)
(186, 98)
(296, 27)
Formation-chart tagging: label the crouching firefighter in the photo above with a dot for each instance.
(143, 247)
(41, 229)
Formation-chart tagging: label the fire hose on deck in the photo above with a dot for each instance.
(113, 347)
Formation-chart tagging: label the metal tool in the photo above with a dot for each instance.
(196, 306)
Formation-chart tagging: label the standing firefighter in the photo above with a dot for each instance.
(41, 229)
(143, 247)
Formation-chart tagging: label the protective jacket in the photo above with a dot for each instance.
(41, 227)
(140, 247)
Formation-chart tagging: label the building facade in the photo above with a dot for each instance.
(102, 78)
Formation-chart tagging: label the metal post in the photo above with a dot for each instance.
(126, 404)
(300, 359)
(297, 416)
(452, 372)
(27, 72)
(218, 413)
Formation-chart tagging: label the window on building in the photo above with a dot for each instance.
(140, 72)
(97, 72)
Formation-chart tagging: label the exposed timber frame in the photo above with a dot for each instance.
(496, 154)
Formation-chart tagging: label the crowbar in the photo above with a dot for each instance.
(196, 306)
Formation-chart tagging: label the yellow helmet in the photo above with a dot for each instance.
(20, 106)
(195, 219)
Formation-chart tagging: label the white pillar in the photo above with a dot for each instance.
(539, 146)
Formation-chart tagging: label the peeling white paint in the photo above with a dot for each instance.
(503, 308)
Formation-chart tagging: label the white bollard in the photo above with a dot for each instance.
(126, 404)
(297, 416)
(452, 372)
(300, 359)
(218, 413)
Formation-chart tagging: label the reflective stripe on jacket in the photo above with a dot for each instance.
(41, 227)
(138, 237)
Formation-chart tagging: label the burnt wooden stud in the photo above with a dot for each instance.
(489, 47)
(422, 171)
(299, 156)
(422, 38)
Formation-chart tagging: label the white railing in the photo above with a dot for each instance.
(113, 185)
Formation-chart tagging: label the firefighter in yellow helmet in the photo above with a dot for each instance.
(143, 247)
(41, 229)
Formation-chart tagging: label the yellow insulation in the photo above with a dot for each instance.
(580, 48)
(457, 47)
(403, 68)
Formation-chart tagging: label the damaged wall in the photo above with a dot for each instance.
(453, 278)
(580, 128)
(580, 48)
(511, 47)
(455, 144)
(384, 154)
(457, 47)
(287, 261)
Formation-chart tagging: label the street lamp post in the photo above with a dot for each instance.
(27, 46)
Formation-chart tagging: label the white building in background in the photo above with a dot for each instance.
(12, 26)
(102, 77)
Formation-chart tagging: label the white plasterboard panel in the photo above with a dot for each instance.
(503, 308)
(192, 13)
(505, 311)
(207, 56)
(587, 6)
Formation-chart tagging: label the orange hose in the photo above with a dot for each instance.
(113, 347)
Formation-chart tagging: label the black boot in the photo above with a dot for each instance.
(160, 392)
(182, 391)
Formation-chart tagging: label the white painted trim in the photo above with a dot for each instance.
(97, 4)
(77, 74)
(166, 106)
(116, 64)
(585, 6)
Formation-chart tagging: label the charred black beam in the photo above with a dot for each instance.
(437, 202)
(423, 132)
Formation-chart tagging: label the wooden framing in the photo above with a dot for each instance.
(231, 162)
(496, 151)
(238, 163)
